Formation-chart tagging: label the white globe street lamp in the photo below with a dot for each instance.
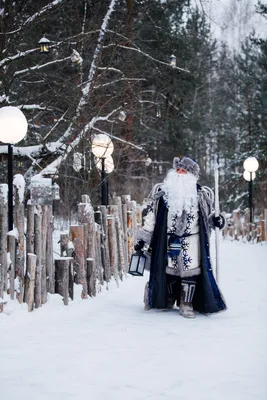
(250, 165)
(13, 128)
(102, 148)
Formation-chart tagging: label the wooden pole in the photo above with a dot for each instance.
(50, 269)
(3, 237)
(38, 252)
(91, 277)
(122, 233)
(30, 281)
(112, 244)
(43, 254)
(71, 279)
(11, 244)
(86, 218)
(125, 234)
(77, 237)
(106, 263)
(64, 244)
(30, 228)
(113, 210)
(19, 224)
(62, 270)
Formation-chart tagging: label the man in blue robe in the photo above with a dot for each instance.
(177, 229)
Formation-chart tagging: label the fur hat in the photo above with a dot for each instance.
(188, 164)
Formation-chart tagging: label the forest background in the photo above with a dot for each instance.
(108, 71)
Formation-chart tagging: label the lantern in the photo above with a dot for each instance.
(44, 45)
(137, 264)
(55, 191)
(172, 60)
(251, 164)
(122, 116)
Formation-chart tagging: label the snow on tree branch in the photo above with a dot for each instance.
(46, 8)
(17, 56)
(37, 67)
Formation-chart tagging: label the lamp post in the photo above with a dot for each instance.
(250, 166)
(13, 128)
(102, 148)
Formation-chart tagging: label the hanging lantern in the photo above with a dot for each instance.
(55, 191)
(137, 264)
(122, 116)
(76, 58)
(172, 60)
(44, 45)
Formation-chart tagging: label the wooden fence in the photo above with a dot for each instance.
(93, 252)
(238, 227)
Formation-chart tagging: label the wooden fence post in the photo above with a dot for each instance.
(113, 210)
(38, 252)
(77, 237)
(125, 232)
(30, 228)
(43, 254)
(11, 245)
(3, 237)
(30, 281)
(50, 269)
(86, 218)
(106, 264)
(62, 271)
(118, 202)
(112, 244)
(64, 242)
(102, 261)
(19, 185)
(265, 223)
(91, 277)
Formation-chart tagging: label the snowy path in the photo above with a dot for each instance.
(108, 348)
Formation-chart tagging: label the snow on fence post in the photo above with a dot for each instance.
(112, 243)
(114, 210)
(106, 266)
(50, 269)
(3, 237)
(77, 237)
(30, 281)
(38, 252)
(19, 186)
(62, 272)
(43, 254)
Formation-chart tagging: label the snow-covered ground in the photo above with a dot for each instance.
(108, 348)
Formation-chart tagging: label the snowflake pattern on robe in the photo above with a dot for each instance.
(185, 244)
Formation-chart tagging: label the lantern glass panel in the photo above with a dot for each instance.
(141, 265)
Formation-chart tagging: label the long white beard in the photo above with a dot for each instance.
(180, 192)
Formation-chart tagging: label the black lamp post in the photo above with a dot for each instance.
(13, 128)
(250, 165)
(102, 148)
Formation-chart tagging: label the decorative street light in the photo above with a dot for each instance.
(13, 128)
(44, 45)
(250, 165)
(102, 148)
